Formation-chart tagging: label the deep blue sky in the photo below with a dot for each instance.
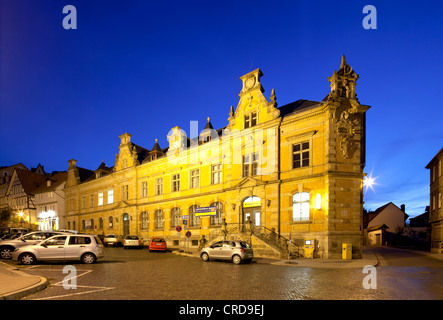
(144, 67)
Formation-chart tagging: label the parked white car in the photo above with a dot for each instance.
(82, 247)
(8, 246)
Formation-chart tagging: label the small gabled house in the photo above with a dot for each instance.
(382, 224)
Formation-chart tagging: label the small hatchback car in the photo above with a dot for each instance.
(82, 247)
(157, 244)
(235, 251)
(132, 241)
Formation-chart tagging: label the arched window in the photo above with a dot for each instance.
(300, 206)
(144, 220)
(159, 219)
(175, 217)
(216, 219)
(100, 223)
(194, 221)
(111, 222)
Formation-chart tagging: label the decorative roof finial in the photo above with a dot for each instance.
(343, 62)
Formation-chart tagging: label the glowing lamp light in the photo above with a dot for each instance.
(318, 201)
(369, 182)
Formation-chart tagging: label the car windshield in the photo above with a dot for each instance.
(158, 240)
(131, 238)
(111, 236)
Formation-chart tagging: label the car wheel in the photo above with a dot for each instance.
(205, 256)
(236, 259)
(6, 252)
(88, 258)
(27, 258)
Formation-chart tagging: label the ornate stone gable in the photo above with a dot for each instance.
(127, 156)
(346, 112)
(253, 106)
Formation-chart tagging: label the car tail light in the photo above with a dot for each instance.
(242, 250)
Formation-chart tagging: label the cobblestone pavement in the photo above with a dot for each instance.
(140, 275)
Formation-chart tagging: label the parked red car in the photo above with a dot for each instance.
(157, 244)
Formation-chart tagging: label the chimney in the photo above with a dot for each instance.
(403, 208)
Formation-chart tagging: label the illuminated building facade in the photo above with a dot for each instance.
(275, 176)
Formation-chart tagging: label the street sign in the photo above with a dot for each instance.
(184, 217)
(185, 222)
(178, 228)
(188, 234)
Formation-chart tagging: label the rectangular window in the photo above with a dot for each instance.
(110, 196)
(300, 206)
(250, 120)
(439, 200)
(125, 193)
(195, 178)
(175, 182)
(91, 201)
(100, 198)
(144, 189)
(300, 155)
(216, 173)
(83, 203)
(246, 162)
(251, 164)
(158, 186)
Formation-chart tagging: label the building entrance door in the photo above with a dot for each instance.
(125, 224)
(252, 209)
(254, 214)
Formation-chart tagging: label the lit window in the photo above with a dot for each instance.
(300, 206)
(110, 196)
(100, 198)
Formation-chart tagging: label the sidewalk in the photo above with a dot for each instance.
(15, 284)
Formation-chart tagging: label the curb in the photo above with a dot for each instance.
(16, 295)
(27, 290)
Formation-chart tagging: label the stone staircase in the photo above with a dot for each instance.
(265, 242)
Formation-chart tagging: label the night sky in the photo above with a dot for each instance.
(144, 67)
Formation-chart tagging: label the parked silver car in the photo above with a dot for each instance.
(83, 247)
(113, 240)
(132, 241)
(8, 246)
(236, 251)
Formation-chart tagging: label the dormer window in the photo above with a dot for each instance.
(250, 120)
